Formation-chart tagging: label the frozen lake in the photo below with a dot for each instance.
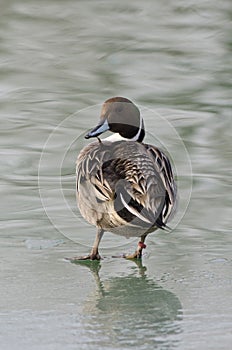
(59, 62)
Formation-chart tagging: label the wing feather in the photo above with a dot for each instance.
(137, 177)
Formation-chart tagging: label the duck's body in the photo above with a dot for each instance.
(123, 185)
(120, 187)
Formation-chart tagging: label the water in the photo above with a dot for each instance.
(59, 62)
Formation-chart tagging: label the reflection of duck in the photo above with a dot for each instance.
(123, 185)
(132, 311)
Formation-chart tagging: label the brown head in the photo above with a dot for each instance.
(120, 116)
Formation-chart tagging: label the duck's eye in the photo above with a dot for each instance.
(118, 109)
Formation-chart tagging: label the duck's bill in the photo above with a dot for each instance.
(98, 130)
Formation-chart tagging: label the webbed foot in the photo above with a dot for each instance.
(91, 257)
(138, 253)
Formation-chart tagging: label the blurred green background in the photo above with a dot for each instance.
(59, 62)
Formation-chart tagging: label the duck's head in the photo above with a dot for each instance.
(122, 117)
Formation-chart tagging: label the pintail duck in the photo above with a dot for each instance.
(124, 186)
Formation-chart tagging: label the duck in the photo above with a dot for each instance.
(123, 185)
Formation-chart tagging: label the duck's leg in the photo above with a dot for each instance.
(138, 253)
(94, 254)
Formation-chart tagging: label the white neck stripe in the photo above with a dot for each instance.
(136, 137)
(117, 137)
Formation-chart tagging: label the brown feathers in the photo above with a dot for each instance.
(133, 178)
